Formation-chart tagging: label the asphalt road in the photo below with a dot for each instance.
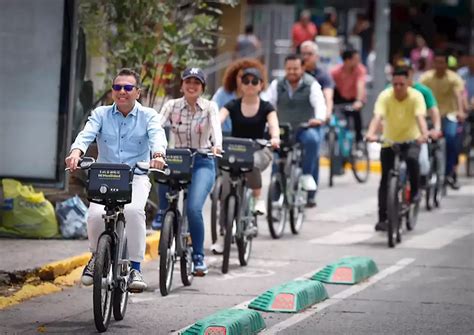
(425, 285)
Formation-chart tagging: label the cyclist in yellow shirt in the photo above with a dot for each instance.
(448, 87)
(401, 110)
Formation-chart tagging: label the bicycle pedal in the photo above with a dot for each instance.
(135, 290)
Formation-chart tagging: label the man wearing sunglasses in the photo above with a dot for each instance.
(126, 132)
(298, 98)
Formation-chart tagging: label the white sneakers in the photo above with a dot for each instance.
(307, 182)
(218, 247)
(260, 208)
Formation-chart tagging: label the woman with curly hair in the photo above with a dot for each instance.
(232, 84)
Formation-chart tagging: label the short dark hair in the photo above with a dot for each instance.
(441, 53)
(294, 57)
(348, 53)
(128, 72)
(401, 71)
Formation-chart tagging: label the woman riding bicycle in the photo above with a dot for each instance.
(193, 121)
(249, 115)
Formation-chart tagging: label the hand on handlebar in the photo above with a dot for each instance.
(422, 139)
(435, 134)
(157, 163)
(357, 105)
(371, 138)
(216, 151)
(72, 161)
(314, 122)
(275, 142)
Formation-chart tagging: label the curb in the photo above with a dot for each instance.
(375, 166)
(53, 276)
(62, 267)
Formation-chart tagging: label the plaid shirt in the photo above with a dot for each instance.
(190, 129)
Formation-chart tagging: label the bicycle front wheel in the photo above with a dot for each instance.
(167, 249)
(276, 207)
(360, 162)
(393, 208)
(332, 142)
(215, 207)
(121, 292)
(230, 218)
(103, 283)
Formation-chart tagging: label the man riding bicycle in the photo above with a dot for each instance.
(126, 132)
(298, 98)
(402, 110)
(350, 80)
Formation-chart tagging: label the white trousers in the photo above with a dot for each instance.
(135, 226)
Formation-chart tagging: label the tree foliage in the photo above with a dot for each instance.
(158, 38)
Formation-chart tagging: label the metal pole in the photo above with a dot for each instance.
(382, 29)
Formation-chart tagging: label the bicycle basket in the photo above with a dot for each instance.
(238, 154)
(110, 183)
(180, 165)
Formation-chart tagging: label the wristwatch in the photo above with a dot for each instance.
(158, 155)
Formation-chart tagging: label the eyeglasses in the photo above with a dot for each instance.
(307, 53)
(127, 88)
(247, 81)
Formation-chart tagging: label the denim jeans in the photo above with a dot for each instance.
(204, 175)
(452, 147)
(311, 141)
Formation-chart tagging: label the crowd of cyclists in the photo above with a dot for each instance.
(247, 106)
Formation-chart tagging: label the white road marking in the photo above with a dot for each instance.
(442, 236)
(350, 235)
(349, 213)
(338, 297)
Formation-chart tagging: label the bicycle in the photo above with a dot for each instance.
(240, 220)
(175, 239)
(286, 197)
(399, 203)
(110, 185)
(435, 178)
(342, 147)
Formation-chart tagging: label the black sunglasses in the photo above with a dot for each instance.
(247, 81)
(127, 88)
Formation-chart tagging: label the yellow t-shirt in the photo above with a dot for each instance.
(399, 117)
(445, 89)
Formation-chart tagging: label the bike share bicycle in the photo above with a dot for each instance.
(239, 219)
(399, 202)
(286, 197)
(110, 185)
(175, 238)
(342, 147)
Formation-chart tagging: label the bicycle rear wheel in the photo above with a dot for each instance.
(332, 142)
(229, 219)
(215, 208)
(360, 162)
(167, 249)
(121, 292)
(297, 210)
(103, 283)
(393, 208)
(276, 207)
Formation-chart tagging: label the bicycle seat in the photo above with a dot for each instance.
(109, 183)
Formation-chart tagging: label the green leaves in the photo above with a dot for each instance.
(151, 35)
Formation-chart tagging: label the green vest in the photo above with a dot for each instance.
(297, 109)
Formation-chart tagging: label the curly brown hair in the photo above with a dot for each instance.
(230, 76)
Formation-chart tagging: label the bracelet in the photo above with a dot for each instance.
(158, 155)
